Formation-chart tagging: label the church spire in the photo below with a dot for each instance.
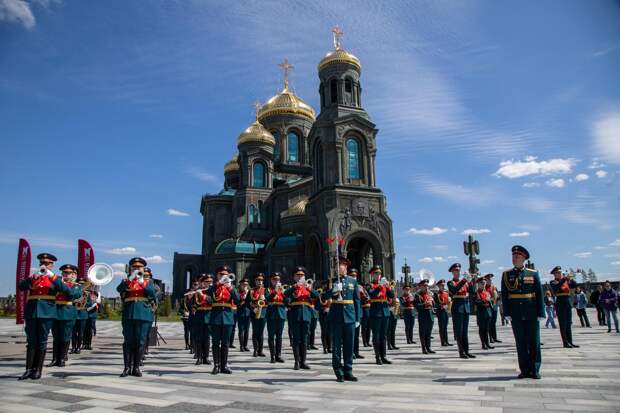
(286, 69)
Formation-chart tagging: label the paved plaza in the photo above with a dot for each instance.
(578, 380)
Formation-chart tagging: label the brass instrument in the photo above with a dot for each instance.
(309, 283)
(321, 300)
(395, 306)
(392, 284)
(260, 304)
(80, 303)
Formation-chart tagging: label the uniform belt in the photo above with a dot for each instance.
(203, 308)
(366, 306)
(136, 299)
(342, 302)
(519, 296)
(459, 296)
(275, 303)
(225, 305)
(378, 300)
(301, 303)
(42, 297)
(409, 307)
(562, 294)
(64, 302)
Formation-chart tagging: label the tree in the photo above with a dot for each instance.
(165, 307)
(592, 276)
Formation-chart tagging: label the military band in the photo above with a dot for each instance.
(341, 306)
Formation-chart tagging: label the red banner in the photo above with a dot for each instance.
(24, 260)
(86, 258)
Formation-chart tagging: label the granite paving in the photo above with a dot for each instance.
(585, 379)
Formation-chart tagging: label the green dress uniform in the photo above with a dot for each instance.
(494, 311)
(91, 325)
(201, 334)
(276, 316)
(221, 322)
(379, 317)
(563, 307)
(408, 310)
(344, 313)
(137, 317)
(244, 319)
(299, 322)
(66, 314)
(460, 293)
(365, 318)
(522, 301)
(40, 313)
(441, 311)
(80, 325)
(392, 324)
(313, 322)
(185, 313)
(484, 315)
(258, 321)
(424, 305)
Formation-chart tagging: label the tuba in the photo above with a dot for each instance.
(99, 274)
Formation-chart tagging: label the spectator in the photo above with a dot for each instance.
(595, 300)
(550, 309)
(581, 303)
(609, 301)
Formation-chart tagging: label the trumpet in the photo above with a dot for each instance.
(309, 283)
(195, 291)
(260, 304)
(392, 284)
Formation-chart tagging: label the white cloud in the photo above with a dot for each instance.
(600, 247)
(606, 134)
(432, 231)
(530, 166)
(439, 259)
(520, 234)
(582, 177)
(531, 185)
(425, 259)
(455, 193)
(484, 262)
(452, 257)
(156, 259)
(613, 255)
(601, 174)
(556, 183)
(583, 254)
(203, 175)
(472, 231)
(122, 251)
(176, 213)
(615, 263)
(119, 266)
(157, 236)
(17, 11)
(615, 243)
(440, 247)
(596, 164)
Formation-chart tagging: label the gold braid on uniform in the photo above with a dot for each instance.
(514, 286)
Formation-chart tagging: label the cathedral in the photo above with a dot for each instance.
(302, 188)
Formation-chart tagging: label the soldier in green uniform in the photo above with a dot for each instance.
(394, 304)
(353, 272)
(202, 306)
(136, 292)
(324, 305)
(300, 296)
(442, 302)
(66, 314)
(244, 314)
(276, 316)
(91, 323)
(221, 320)
(522, 301)
(313, 322)
(80, 321)
(365, 315)
(344, 318)
(494, 308)
(408, 310)
(379, 293)
(425, 305)
(484, 313)
(562, 287)
(40, 312)
(257, 296)
(460, 291)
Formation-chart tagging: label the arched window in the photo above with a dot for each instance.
(259, 175)
(276, 148)
(348, 87)
(259, 212)
(353, 151)
(251, 213)
(333, 91)
(348, 91)
(293, 147)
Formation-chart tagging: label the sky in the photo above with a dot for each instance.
(497, 119)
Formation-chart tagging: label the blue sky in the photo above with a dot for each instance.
(501, 119)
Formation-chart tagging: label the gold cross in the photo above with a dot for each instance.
(338, 33)
(286, 69)
(257, 106)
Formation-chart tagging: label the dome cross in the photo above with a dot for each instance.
(338, 33)
(286, 69)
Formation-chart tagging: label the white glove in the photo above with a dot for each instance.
(301, 281)
(49, 273)
(185, 314)
(508, 318)
(357, 324)
(383, 281)
(337, 287)
(98, 300)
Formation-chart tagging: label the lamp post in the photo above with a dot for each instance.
(406, 271)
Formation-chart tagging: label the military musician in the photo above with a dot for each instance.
(562, 288)
(276, 316)
(202, 305)
(66, 315)
(522, 300)
(82, 317)
(259, 314)
(244, 314)
(483, 301)
(408, 310)
(365, 314)
(379, 292)
(492, 290)
(221, 320)
(442, 305)
(425, 305)
(460, 292)
(300, 295)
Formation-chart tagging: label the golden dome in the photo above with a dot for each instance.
(232, 165)
(256, 133)
(297, 209)
(340, 56)
(286, 102)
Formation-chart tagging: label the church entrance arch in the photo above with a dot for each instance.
(364, 250)
(313, 258)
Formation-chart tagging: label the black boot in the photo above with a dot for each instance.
(377, 353)
(261, 342)
(216, 359)
(324, 344)
(384, 360)
(272, 350)
(224, 360)
(55, 353)
(198, 353)
(296, 356)
(127, 361)
(64, 349)
(138, 352)
(205, 352)
(30, 353)
(255, 346)
(279, 350)
(38, 365)
(302, 357)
